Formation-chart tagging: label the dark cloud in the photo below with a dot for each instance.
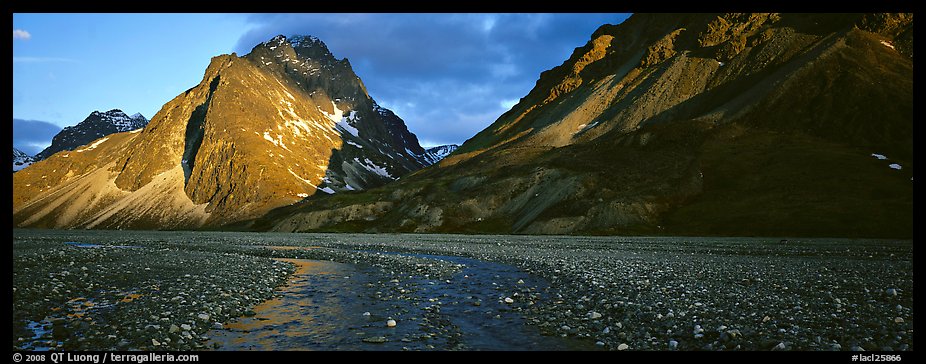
(31, 136)
(446, 75)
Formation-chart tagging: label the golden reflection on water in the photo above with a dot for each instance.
(291, 313)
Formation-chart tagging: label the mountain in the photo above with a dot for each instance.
(678, 124)
(435, 154)
(95, 126)
(21, 160)
(285, 122)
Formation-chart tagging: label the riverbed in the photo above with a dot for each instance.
(100, 290)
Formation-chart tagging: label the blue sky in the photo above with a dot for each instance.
(447, 75)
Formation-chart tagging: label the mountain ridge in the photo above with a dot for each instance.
(678, 124)
(266, 129)
(94, 126)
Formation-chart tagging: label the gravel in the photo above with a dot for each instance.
(630, 293)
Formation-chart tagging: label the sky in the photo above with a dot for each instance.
(447, 75)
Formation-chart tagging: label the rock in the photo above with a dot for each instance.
(218, 326)
(203, 316)
(366, 314)
(508, 300)
(891, 292)
(594, 315)
(623, 347)
(898, 320)
(780, 346)
(698, 329)
(185, 327)
(836, 347)
(173, 329)
(673, 344)
(375, 340)
(607, 330)
(155, 342)
(520, 281)
(390, 323)
(599, 343)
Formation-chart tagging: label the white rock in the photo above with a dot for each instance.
(203, 316)
(390, 323)
(673, 344)
(623, 347)
(594, 315)
(509, 300)
(185, 327)
(366, 314)
(607, 330)
(891, 292)
(155, 342)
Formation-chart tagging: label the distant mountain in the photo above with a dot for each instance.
(281, 124)
(95, 126)
(21, 160)
(679, 124)
(435, 154)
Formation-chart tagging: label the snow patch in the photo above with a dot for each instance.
(895, 166)
(278, 141)
(888, 44)
(373, 167)
(300, 178)
(354, 144)
(343, 122)
(327, 190)
(19, 167)
(94, 145)
(303, 195)
(879, 156)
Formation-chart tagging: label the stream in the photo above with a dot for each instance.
(335, 306)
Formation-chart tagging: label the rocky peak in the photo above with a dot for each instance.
(435, 154)
(97, 125)
(21, 159)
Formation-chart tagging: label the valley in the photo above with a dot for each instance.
(104, 290)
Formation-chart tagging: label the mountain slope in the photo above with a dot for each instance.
(701, 124)
(95, 126)
(21, 160)
(268, 129)
(435, 154)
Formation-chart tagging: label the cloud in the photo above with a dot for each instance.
(42, 60)
(447, 75)
(21, 34)
(31, 136)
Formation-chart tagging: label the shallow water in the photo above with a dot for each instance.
(323, 308)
